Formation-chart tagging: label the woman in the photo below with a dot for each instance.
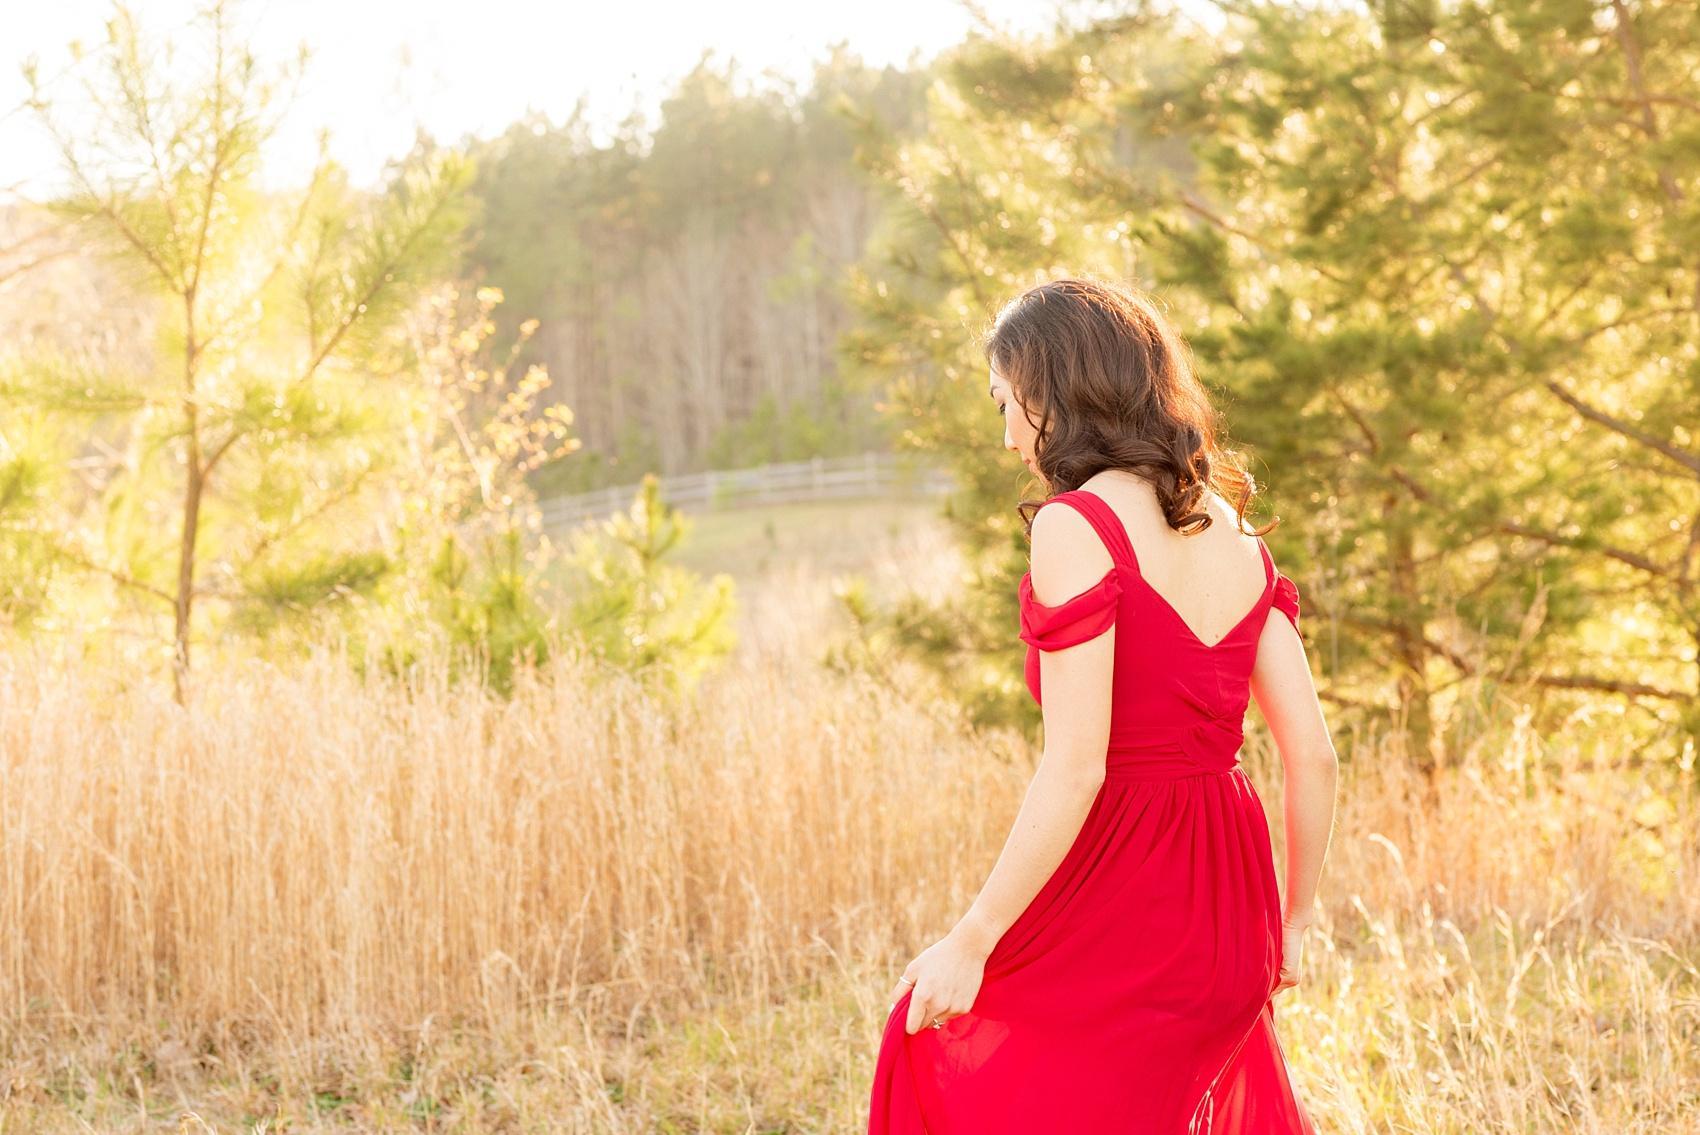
(1116, 973)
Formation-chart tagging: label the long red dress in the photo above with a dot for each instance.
(1133, 995)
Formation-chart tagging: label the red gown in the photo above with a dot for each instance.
(1133, 995)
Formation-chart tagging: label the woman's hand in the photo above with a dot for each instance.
(1292, 946)
(947, 977)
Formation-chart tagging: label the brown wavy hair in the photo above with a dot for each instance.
(1114, 387)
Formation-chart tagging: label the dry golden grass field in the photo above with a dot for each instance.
(321, 905)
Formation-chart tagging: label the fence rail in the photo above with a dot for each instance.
(822, 478)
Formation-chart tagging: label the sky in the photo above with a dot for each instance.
(380, 69)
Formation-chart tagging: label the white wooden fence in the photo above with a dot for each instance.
(828, 478)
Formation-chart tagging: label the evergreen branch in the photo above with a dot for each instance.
(279, 263)
(1687, 460)
(379, 276)
(1649, 121)
(1556, 681)
(948, 232)
(1624, 321)
(1689, 554)
(115, 574)
(1609, 686)
(131, 74)
(1632, 66)
(221, 449)
(1639, 562)
(1557, 309)
(1513, 528)
(221, 142)
(1422, 208)
(1641, 101)
(1358, 419)
(1682, 457)
(329, 501)
(1398, 631)
(107, 206)
(105, 203)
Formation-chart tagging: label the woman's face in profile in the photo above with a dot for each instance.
(1019, 434)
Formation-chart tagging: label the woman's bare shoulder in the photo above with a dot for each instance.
(1066, 555)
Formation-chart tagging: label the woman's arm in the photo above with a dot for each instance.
(1286, 695)
(1068, 558)
(1051, 816)
(1070, 616)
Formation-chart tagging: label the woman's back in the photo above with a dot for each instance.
(1182, 681)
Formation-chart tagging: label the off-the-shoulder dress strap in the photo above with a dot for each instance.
(1105, 522)
(1283, 592)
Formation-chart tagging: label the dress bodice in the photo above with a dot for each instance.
(1178, 704)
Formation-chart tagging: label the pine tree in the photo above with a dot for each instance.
(1436, 262)
(260, 414)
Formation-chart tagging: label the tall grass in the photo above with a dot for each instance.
(320, 904)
